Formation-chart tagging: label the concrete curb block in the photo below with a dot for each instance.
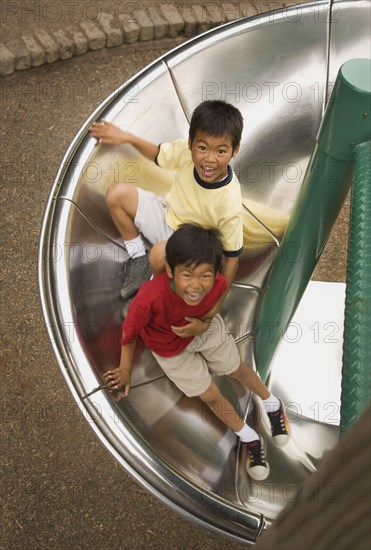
(161, 25)
(51, 48)
(22, 57)
(142, 29)
(7, 64)
(111, 28)
(172, 15)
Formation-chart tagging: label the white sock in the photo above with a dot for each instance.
(247, 434)
(271, 404)
(135, 247)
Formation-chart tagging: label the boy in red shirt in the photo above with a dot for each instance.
(189, 288)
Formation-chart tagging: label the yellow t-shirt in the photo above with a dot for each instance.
(191, 200)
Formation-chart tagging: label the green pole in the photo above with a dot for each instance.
(346, 123)
(355, 388)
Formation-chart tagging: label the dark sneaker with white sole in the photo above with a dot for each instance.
(256, 465)
(279, 426)
(135, 271)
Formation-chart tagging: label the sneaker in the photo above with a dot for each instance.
(135, 272)
(256, 465)
(279, 426)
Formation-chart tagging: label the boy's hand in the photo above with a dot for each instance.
(105, 132)
(118, 378)
(195, 326)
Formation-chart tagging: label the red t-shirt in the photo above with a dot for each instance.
(156, 308)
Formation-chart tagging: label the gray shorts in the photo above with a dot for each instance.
(150, 218)
(213, 352)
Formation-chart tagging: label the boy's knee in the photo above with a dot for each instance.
(115, 194)
(211, 395)
(111, 195)
(236, 373)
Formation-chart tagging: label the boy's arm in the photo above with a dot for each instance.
(121, 376)
(105, 132)
(229, 269)
(198, 326)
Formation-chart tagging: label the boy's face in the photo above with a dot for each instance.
(192, 283)
(211, 156)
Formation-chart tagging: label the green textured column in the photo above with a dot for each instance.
(324, 189)
(355, 389)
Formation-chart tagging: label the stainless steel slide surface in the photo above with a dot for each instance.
(277, 69)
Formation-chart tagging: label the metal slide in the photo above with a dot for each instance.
(277, 69)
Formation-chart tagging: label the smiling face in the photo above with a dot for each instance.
(192, 283)
(211, 156)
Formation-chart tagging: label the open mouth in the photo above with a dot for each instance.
(193, 297)
(208, 172)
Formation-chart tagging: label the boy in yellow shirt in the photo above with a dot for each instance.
(206, 191)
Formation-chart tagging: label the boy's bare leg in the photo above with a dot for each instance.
(273, 406)
(157, 257)
(222, 408)
(256, 465)
(122, 203)
(248, 378)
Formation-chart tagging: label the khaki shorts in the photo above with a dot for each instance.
(150, 219)
(213, 352)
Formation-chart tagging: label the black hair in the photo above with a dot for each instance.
(217, 118)
(193, 245)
